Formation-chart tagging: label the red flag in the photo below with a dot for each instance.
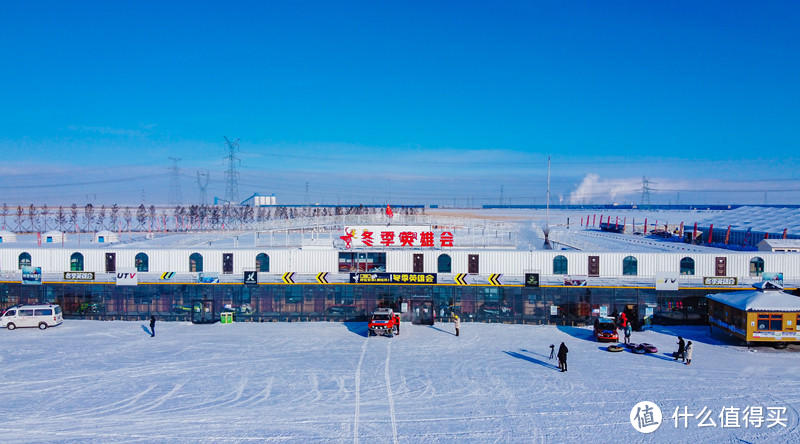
(681, 229)
(710, 233)
(694, 232)
(594, 219)
(784, 233)
(39, 238)
(766, 235)
(727, 235)
(645, 225)
(389, 212)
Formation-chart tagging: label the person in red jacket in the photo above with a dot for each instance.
(623, 320)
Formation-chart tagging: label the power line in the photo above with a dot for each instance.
(202, 183)
(175, 197)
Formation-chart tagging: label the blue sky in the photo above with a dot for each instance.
(408, 102)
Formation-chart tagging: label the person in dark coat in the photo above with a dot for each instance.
(152, 326)
(552, 351)
(562, 357)
(681, 350)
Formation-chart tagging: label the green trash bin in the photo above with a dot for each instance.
(226, 318)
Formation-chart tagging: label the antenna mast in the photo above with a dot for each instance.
(202, 183)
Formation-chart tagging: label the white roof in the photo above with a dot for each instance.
(756, 300)
(781, 243)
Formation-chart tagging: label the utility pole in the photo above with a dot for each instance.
(547, 209)
(645, 191)
(175, 197)
(501, 195)
(232, 173)
(202, 183)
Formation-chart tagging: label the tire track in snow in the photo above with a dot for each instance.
(358, 389)
(389, 392)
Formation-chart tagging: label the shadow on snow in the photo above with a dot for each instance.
(531, 359)
(359, 328)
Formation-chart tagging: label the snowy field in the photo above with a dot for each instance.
(94, 381)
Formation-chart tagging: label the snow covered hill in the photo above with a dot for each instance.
(92, 381)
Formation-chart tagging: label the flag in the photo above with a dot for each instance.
(39, 238)
(710, 233)
(389, 212)
(727, 235)
(784, 232)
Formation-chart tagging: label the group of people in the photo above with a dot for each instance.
(625, 324)
(684, 351)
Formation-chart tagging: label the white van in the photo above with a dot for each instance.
(41, 316)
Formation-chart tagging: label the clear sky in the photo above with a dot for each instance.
(409, 102)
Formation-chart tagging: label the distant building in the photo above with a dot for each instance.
(7, 236)
(106, 237)
(779, 245)
(260, 200)
(54, 237)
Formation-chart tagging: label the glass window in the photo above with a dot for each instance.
(362, 262)
(10, 313)
(26, 312)
(58, 310)
(196, 263)
(142, 262)
(756, 267)
(24, 260)
(43, 312)
(262, 262)
(773, 322)
(630, 266)
(687, 266)
(560, 265)
(444, 264)
(76, 262)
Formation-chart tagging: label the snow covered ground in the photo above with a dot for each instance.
(94, 381)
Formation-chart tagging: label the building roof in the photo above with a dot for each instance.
(781, 243)
(757, 300)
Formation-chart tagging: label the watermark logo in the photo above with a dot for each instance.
(646, 417)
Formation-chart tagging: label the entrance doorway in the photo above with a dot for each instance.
(418, 263)
(422, 311)
(111, 262)
(203, 312)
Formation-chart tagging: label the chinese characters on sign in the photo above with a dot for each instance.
(393, 278)
(78, 275)
(719, 281)
(396, 236)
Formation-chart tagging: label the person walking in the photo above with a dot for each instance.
(628, 330)
(152, 326)
(552, 351)
(681, 350)
(562, 357)
(457, 323)
(689, 349)
(623, 320)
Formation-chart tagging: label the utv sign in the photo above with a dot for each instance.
(128, 278)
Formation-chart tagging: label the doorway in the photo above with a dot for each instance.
(422, 311)
(720, 266)
(594, 266)
(111, 262)
(418, 263)
(473, 264)
(227, 263)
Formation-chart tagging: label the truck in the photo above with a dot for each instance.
(384, 321)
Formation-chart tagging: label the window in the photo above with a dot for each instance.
(630, 266)
(10, 313)
(444, 264)
(49, 239)
(101, 239)
(770, 321)
(26, 312)
(756, 267)
(142, 262)
(58, 310)
(196, 263)
(76, 262)
(687, 266)
(559, 265)
(262, 262)
(43, 312)
(362, 262)
(24, 260)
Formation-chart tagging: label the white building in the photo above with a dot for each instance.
(779, 245)
(260, 200)
(7, 236)
(106, 237)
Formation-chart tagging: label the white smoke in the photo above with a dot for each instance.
(593, 188)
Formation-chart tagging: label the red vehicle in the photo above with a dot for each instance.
(605, 330)
(384, 321)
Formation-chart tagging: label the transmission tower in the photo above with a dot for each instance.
(232, 173)
(202, 183)
(174, 182)
(645, 191)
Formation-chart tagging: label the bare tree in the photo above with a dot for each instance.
(127, 216)
(152, 212)
(33, 217)
(88, 216)
(114, 217)
(5, 213)
(19, 217)
(45, 212)
(61, 218)
(141, 215)
(73, 216)
(215, 216)
(101, 218)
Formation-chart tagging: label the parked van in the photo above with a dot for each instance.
(41, 316)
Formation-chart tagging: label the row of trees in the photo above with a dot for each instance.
(180, 218)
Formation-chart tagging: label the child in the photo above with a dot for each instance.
(689, 349)
(552, 350)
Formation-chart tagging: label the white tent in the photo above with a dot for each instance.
(7, 236)
(106, 237)
(54, 237)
